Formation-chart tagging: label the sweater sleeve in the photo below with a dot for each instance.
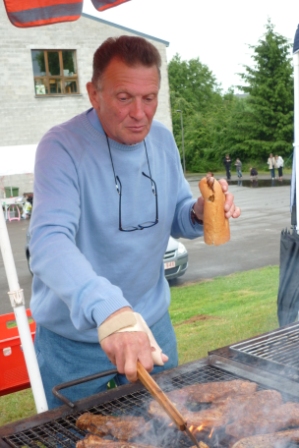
(182, 226)
(55, 259)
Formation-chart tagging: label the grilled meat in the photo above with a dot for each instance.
(213, 392)
(279, 439)
(210, 392)
(243, 415)
(123, 428)
(264, 417)
(93, 441)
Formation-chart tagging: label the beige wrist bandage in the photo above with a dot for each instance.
(129, 321)
(125, 319)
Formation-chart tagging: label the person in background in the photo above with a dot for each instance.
(253, 173)
(279, 165)
(109, 190)
(227, 163)
(27, 206)
(271, 165)
(238, 165)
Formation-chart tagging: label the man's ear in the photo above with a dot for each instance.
(92, 93)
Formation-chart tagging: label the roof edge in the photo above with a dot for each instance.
(106, 22)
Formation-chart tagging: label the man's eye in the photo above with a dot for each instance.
(148, 99)
(123, 98)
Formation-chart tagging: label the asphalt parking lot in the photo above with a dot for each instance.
(255, 238)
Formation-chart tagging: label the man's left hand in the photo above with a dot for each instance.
(230, 209)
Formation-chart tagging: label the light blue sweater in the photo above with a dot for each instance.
(84, 267)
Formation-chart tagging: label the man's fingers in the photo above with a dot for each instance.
(224, 185)
(124, 349)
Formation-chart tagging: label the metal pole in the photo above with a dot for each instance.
(183, 146)
(18, 304)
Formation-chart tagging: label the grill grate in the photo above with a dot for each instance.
(277, 351)
(61, 432)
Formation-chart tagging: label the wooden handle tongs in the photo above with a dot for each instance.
(151, 385)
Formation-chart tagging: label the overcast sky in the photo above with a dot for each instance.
(217, 32)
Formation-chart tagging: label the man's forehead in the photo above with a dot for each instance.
(121, 76)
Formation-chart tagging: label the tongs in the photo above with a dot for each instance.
(153, 388)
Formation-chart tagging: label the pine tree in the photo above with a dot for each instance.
(269, 85)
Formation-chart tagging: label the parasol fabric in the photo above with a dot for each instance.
(288, 291)
(296, 41)
(30, 13)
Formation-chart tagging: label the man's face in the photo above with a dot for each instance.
(126, 100)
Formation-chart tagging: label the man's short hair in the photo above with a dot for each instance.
(131, 50)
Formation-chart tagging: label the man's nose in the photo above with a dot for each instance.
(137, 109)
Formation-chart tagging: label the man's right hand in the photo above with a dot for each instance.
(125, 349)
(130, 344)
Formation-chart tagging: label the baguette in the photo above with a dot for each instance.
(215, 224)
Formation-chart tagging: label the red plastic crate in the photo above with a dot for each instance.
(13, 371)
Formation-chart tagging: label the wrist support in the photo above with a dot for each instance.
(122, 320)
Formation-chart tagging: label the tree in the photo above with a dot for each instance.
(269, 107)
(193, 90)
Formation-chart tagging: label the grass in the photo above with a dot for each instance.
(206, 316)
(222, 311)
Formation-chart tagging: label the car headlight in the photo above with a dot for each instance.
(181, 249)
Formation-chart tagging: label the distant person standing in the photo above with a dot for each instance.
(279, 165)
(227, 163)
(253, 173)
(238, 166)
(272, 165)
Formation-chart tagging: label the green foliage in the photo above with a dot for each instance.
(248, 126)
(270, 94)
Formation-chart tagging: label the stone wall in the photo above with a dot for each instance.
(24, 183)
(25, 117)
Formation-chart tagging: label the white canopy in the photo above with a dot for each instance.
(17, 159)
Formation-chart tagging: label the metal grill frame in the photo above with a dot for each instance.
(61, 421)
(276, 351)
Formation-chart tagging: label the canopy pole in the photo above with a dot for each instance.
(296, 131)
(18, 304)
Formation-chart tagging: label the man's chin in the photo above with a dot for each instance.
(132, 138)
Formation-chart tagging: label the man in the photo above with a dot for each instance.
(272, 165)
(109, 191)
(279, 162)
(227, 163)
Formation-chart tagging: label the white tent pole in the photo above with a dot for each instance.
(18, 303)
(296, 130)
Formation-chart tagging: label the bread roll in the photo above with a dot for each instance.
(216, 225)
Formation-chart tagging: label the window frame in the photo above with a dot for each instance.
(44, 80)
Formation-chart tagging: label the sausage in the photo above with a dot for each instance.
(216, 225)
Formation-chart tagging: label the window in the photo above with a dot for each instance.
(55, 72)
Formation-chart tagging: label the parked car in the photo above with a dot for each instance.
(175, 258)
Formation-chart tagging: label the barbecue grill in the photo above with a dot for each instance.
(57, 428)
(276, 352)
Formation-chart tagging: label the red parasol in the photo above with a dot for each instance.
(29, 13)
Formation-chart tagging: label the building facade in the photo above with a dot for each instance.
(44, 71)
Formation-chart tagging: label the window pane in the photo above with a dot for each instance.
(55, 85)
(70, 87)
(40, 87)
(38, 61)
(69, 62)
(53, 61)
